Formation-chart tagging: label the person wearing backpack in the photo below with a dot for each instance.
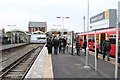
(78, 45)
(106, 48)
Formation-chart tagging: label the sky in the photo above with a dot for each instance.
(21, 12)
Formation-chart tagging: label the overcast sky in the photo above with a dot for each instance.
(20, 12)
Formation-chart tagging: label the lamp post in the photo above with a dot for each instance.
(84, 23)
(87, 49)
(11, 32)
(57, 26)
(63, 22)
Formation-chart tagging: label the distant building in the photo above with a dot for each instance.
(37, 26)
(18, 36)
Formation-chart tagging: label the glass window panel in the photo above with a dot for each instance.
(81, 38)
(112, 41)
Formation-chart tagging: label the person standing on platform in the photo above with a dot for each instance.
(49, 45)
(106, 48)
(78, 45)
(97, 47)
(60, 41)
(64, 44)
(85, 45)
(56, 45)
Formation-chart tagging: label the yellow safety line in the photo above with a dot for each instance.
(99, 56)
(48, 68)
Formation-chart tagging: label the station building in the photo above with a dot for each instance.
(37, 26)
(2, 36)
(18, 36)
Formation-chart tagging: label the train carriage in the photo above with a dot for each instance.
(38, 38)
(101, 35)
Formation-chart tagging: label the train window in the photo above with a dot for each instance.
(114, 35)
(81, 38)
(94, 38)
(41, 38)
(111, 36)
(112, 41)
(89, 38)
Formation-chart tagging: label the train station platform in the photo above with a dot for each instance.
(70, 66)
(8, 46)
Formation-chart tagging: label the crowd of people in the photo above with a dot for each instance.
(57, 44)
(106, 48)
(61, 45)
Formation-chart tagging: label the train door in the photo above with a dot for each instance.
(102, 38)
(84, 37)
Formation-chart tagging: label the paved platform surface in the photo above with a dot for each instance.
(67, 66)
(103, 66)
(7, 46)
(38, 68)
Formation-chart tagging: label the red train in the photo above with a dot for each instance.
(101, 35)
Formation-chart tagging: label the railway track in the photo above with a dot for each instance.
(19, 68)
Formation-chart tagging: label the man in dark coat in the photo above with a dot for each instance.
(78, 45)
(64, 44)
(106, 48)
(60, 41)
(49, 46)
(56, 45)
(85, 45)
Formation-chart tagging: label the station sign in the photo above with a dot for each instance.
(105, 19)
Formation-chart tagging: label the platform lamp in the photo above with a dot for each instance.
(84, 22)
(87, 49)
(63, 22)
(11, 32)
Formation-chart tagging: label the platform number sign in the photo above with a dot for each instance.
(107, 14)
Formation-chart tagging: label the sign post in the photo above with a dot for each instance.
(95, 53)
(72, 41)
(87, 49)
(117, 28)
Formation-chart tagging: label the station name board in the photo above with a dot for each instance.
(105, 19)
(98, 17)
